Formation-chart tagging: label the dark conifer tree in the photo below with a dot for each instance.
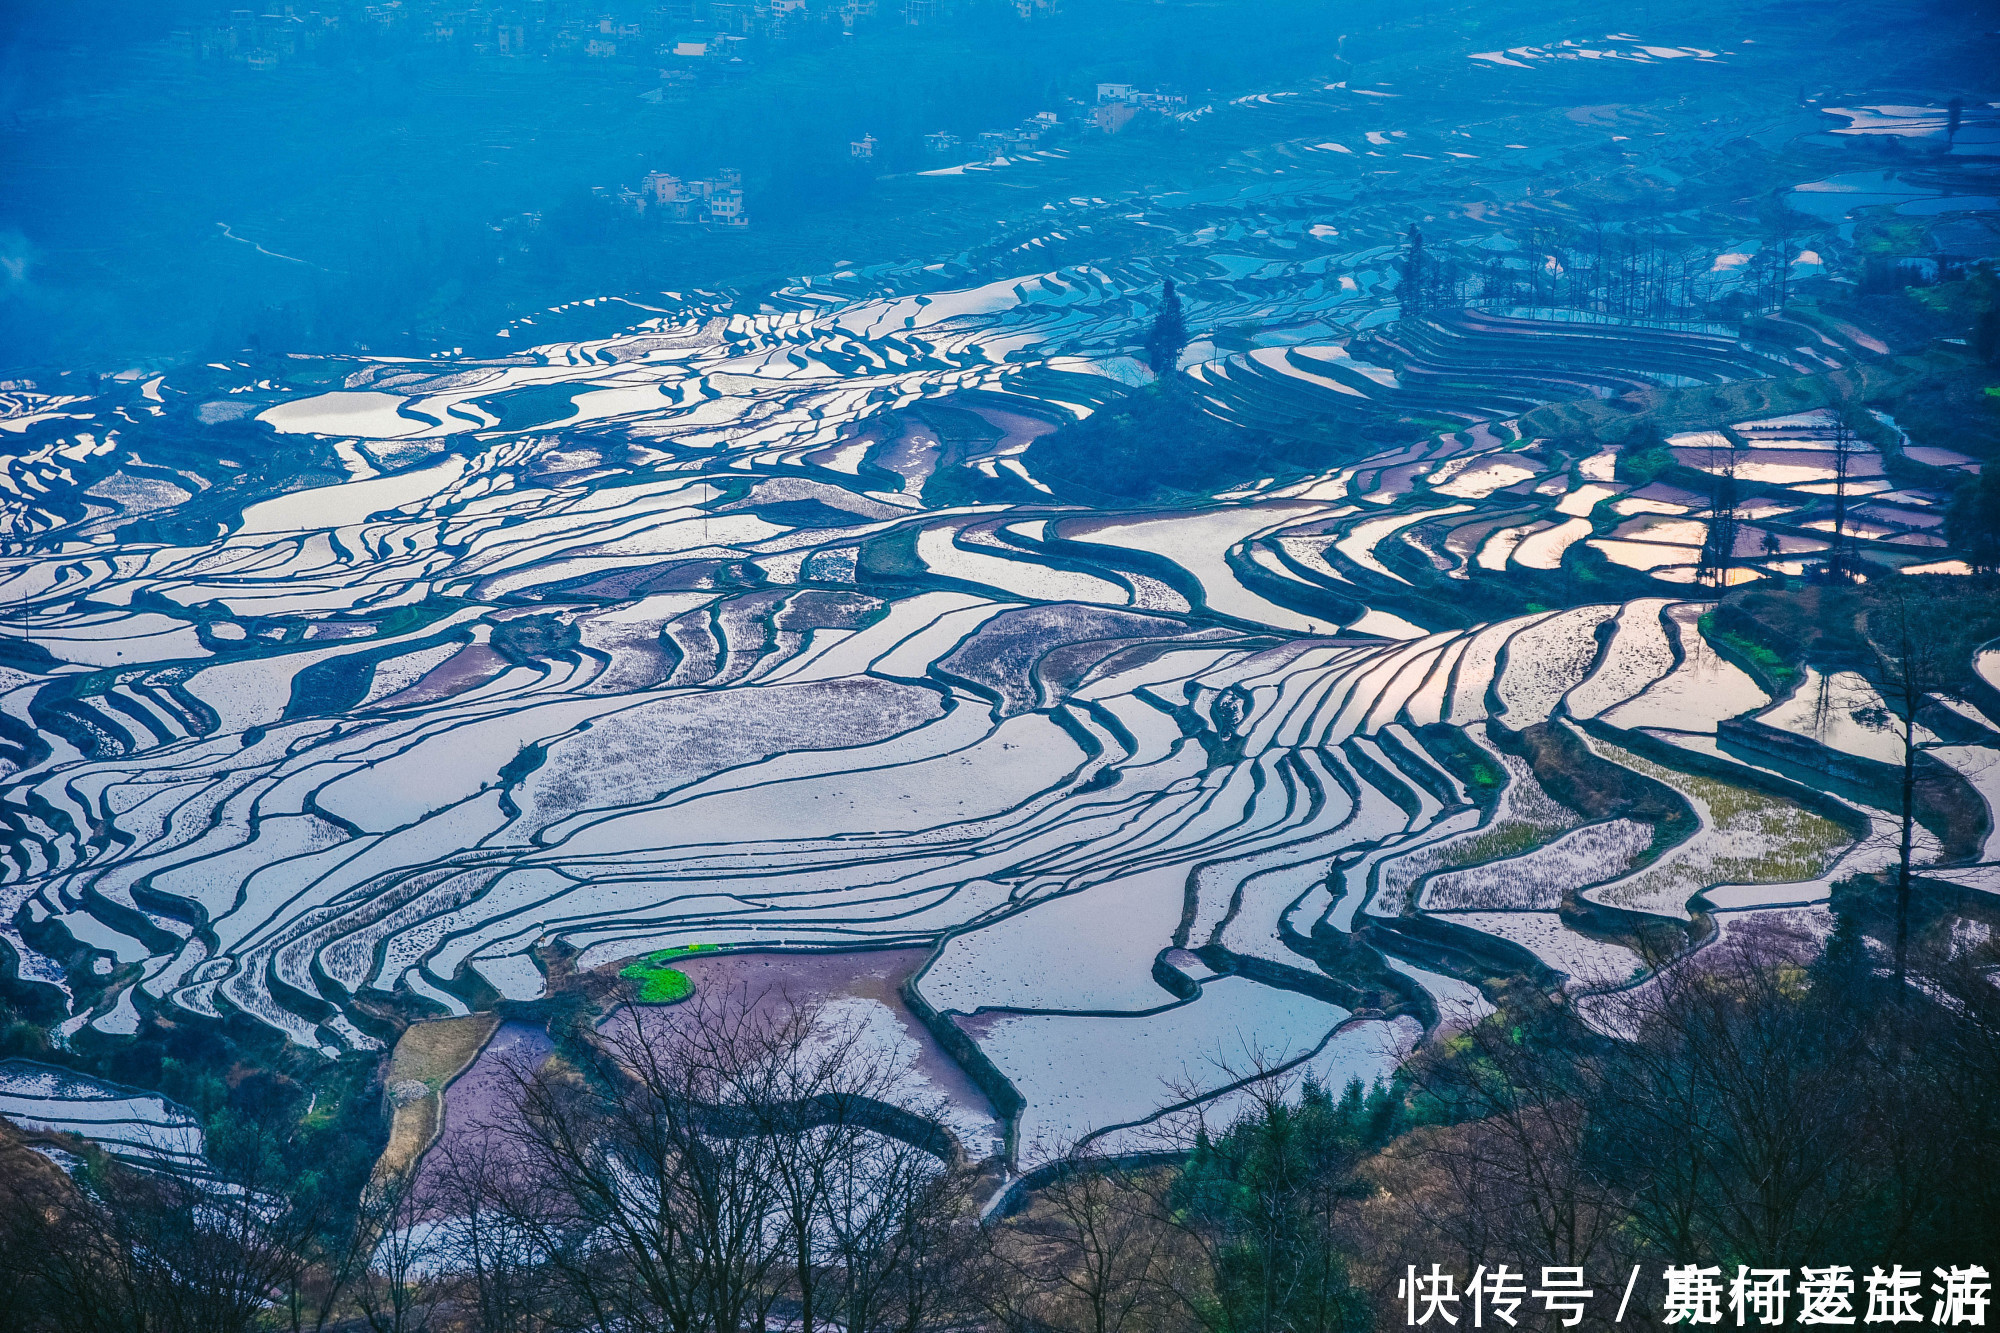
(1412, 289)
(1986, 337)
(1168, 335)
(1718, 552)
(1845, 446)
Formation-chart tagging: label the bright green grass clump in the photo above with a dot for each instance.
(659, 985)
(663, 956)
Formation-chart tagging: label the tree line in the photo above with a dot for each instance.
(744, 1164)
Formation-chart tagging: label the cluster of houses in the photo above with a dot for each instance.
(996, 144)
(717, 202)
(1117, 105)
(261, 40)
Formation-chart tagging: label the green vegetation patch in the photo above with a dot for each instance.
(1161, 439)
(1952, 407)
(659, 983)
(1643, 464)
(531, 639)
(1467, 762)
(1757, 839)
(1774, 673)
(660, 957)
(538, 405)
(1497, 842)
(525, 761)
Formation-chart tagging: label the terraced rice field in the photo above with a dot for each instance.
(631, 713)
(1745, 836)
(136, 1127)
(752, 625)
(396, 735)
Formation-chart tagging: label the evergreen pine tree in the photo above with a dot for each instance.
(1410, 294)
(1168, 335)
(1986, 337)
